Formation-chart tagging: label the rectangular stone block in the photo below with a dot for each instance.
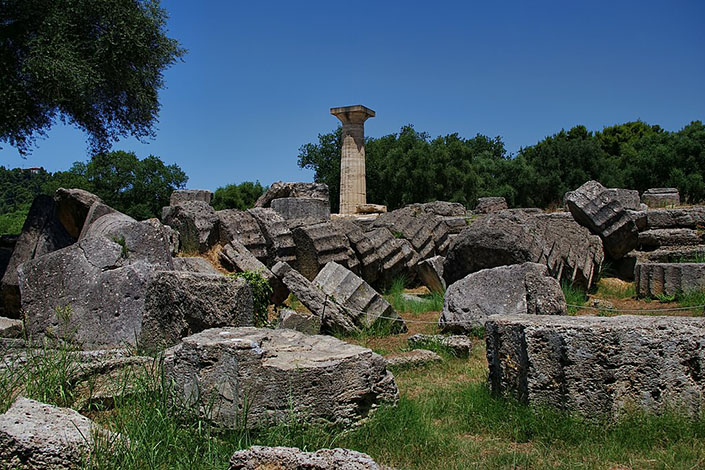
(599, 366)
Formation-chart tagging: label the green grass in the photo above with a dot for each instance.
(694, 298)
(446, 418)
(574, 295)
(432, 302)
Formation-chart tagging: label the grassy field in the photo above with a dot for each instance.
(446, 418)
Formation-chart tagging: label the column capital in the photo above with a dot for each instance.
(356, 114)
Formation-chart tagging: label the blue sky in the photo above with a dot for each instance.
(260, 77)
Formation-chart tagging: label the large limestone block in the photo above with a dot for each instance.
(382, 256)
(485, 205)
(364, 305)
(280, 189)
(243, 227)
(179, 304)
(304, 322)
(629, 198)
(599, 365)
(430, 272)
(497, 239)
(593, 206)
(140, 241)
(307, 208)
(319, 244)
(194, 264)
(255, 377)
(570, 251)
(34, 435)
(180, 196)
(661, 197)
(690, 217)
(427, 232)
(280, 242)
(87, 292)
(235, 257)
(660, 237)
(506, 290)
(42, 233)
(196, 222)
(273, 458)
(654, 279)
(72, 207)
(443, 208)
(333, 317)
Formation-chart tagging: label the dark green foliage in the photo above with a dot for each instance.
(96, 64)
(139, 188)
(237, 196)
(411, 167)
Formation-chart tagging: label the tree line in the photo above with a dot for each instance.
(410, 166)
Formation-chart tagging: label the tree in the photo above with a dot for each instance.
(324, 159)
(237, 196)
(139, 188)
(95, 64)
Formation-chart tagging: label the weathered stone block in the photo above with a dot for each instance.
(179, 304)
(629, 198)
(691, 217)
(430, 272)
(364, 305)
(653, 279)
(180, 196)
(319, 244)
(42, 233)
(304, 322)
(659, 237)
(255, 377)
(280, 242)
(310, 209)
(280, 458)
(506, 290)
(279, 189)
(497, 239)
(34, 435)
(236, 258)
(485, 205)
(197, 224)
(10, 328)
(72, 207)
(661, 197)
(243, 227)
(594, 207)
(194, 264)
(599, 365)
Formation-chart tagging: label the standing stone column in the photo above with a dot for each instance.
(353, 189)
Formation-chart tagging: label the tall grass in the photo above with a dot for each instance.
(574, 295)
(432, 302)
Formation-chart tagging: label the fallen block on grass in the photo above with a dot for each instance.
(458, 345)
(34, 435)
(274, 458)
(254, 377)
(597, 365)
(414, 358)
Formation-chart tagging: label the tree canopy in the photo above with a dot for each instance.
(410, 166)
(95, 64)
(237, 196)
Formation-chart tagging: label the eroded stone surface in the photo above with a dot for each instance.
(42, 233)
(307, 208)
(72, 207)
(196, 222)
(593, 206)
(690, 217)
(363, 305)
(194, 264)
(414, 358)
(180, 196)
(430, 272)
(654, 279)
(34, 435)
(485, 205)
(599, 365)
(179, 304)
(280, 189)
(459, 345)
(656, 238)
(304, 322)
(319, 244)
(235, 257)
(243, 227)
(506, 290)
(273, 373)
(275, 458)
(280, 242)
(661, 197)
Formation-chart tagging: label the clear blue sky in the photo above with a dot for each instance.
(260, 77)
